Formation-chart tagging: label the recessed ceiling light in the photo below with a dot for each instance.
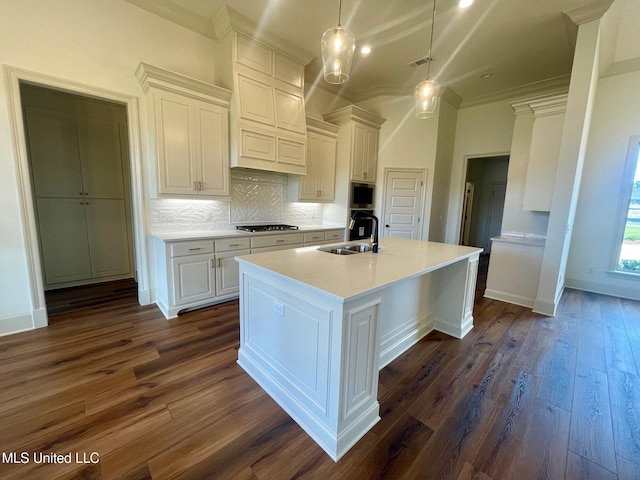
(465, 3)
(366, 50)
(486, 75)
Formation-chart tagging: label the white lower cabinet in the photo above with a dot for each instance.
(194, 279)
(196, 273)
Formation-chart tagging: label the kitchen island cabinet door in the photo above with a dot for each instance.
(194, 279)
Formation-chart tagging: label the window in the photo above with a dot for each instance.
(629, 257)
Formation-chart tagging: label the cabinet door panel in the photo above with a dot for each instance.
(256, 101)
(108, 238)
(63, 240)
(253, 55)
(175, 143)
(358, 152)
(309, 188)
(53, 151)
(288, 71)
(371, 154)
(290, 112)
(227, 272)
(257, 145)
(194, 279)
(101, 154)
(212, 138)
(291, 152)
(326, 172)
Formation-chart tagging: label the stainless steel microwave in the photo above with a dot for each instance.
(362, 195)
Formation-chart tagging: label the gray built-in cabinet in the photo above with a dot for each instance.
(79, 170)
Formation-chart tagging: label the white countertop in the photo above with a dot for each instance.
(521, 239)
(206, 234)
(347, 276)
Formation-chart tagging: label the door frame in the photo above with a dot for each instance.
(383, 197)
(27, 213)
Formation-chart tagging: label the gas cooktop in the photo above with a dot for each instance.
(265, 228)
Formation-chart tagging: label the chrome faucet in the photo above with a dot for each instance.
(360, 213)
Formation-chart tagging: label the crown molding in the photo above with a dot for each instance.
(352, 112)
(154, 77)
(228, 20)
(318, 126)
(589, 12)
(551, 86)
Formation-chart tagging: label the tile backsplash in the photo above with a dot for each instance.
(255, 197)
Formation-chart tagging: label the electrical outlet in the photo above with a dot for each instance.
(278, 308)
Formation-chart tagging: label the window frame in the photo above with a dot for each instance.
(626, 189)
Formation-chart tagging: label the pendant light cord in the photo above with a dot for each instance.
(339, 11)
(433, 20)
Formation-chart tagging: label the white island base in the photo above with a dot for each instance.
(315, 328)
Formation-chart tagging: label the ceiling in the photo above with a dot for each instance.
(517, 44)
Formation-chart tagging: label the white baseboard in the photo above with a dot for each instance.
(509, 298)
(604, 288)
(457, 331)
(23, 322)
(403, 339)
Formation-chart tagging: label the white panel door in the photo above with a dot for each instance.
(194, 278)
(403, 199)
(227, 272)
(212, 138)
(176, 142)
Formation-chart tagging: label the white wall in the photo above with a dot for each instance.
(92, 42)
(405, 142)
(482, 131)
(616, 117)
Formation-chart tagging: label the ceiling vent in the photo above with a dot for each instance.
(421, 61)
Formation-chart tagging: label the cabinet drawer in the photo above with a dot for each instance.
(314, 237)
(336, 236)
(276, 240)
(191, 248)
(229, 244)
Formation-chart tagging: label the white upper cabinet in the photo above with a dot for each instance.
(190, 133)
(318, 185)
(268, 128)
(358, 140)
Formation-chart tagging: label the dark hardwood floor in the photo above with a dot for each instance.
(521, 396)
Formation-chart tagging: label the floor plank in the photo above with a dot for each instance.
(521, 396)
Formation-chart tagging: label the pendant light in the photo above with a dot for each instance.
(427, 91)
(337, 44)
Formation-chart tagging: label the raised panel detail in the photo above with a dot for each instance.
(292, 336)
(254, 55)
(213, 141)
(175, 143)
(291, 152)
(256, 101)
(194, 278)
(361, 362)
(257, 145)
(290, 111)
(288, 70)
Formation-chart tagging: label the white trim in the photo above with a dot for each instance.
(14, 77)
(23, 322)
(509, 298)
(632, 293)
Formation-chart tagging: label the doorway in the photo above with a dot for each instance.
(486, 182)
(77, 149)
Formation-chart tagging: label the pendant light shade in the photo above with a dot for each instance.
(426, 98)
(427, 92)
(338, 45)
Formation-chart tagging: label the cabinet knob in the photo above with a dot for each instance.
(387, 225)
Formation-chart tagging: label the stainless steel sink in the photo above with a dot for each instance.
(348, 249)
(338, 251)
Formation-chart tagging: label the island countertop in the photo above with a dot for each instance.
(348, 276)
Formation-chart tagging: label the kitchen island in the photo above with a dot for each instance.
(315, 328)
